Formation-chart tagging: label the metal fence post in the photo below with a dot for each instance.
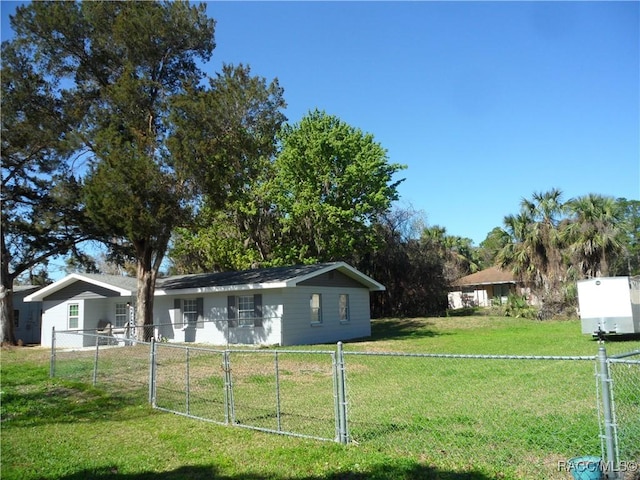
(187, 382)
(229, 412)
(52, 365)
(152, 373)
(343, 431)
(611, 464)
(277, 372)
(95, 361)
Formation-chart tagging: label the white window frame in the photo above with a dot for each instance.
(344, 310)
(315, 308)
(190, 311)
(122, 315)
(76, 316)
(245, 310)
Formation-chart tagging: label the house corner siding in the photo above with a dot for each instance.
(298, 329)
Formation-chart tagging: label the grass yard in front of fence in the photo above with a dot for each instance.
(58, 429)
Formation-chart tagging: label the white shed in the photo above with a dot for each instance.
(274, 306)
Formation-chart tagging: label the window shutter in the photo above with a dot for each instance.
(257, 310)
(177, 315)
(200, 310)
(232, 315)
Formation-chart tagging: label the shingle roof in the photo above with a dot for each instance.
(118, 281)
(257, 278)
(245, 277)
(488, 276)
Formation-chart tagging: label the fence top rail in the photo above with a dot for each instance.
(221, 350)
(278, 351)
(626, 354)
(625, 362)
(182, 346)
(471, 356)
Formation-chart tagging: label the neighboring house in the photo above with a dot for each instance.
(274, 306)
(27, 316)
(480, 288)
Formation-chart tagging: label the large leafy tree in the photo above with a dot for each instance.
(331, 182)
(409, 268)
(41, 215)
(227, 133)
(122, 63)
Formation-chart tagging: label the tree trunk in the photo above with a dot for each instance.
(144, 303)
(7, 333)
(149, 261)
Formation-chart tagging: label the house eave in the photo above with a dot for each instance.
(70, 279)
(219, 289)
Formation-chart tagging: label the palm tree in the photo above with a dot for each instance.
(534, 252)
(594, 233)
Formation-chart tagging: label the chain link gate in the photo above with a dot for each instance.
(258, 389)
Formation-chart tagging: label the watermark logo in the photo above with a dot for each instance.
(585, 465)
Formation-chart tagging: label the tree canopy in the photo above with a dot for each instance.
(119, 65)
(41, 211)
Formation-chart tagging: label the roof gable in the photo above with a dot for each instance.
(120, 286)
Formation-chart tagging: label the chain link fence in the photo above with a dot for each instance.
(522, 415)
(100, 360)
(277, 391)
(624, 374)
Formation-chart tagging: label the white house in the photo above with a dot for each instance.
(480, 288)
(273, 306)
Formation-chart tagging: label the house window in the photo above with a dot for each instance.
(122, 311)
(73, 317)
(343, 307)
(244, 310)
(315, 303)
(189, 311)
(16, 318)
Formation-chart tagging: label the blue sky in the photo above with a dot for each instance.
(485, 102)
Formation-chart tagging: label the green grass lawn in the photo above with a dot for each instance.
(57, 429)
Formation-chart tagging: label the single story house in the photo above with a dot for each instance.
(27, 316)
(302, 304)
(481, 288)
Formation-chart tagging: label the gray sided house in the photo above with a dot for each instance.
(26, 315)
(274, 306)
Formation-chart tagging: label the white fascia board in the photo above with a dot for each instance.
(68, 280)
(221, 289)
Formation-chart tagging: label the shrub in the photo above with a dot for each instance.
(517, 306)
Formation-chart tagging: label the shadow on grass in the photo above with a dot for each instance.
(378, 472)
(66, 402)
(401, 328)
